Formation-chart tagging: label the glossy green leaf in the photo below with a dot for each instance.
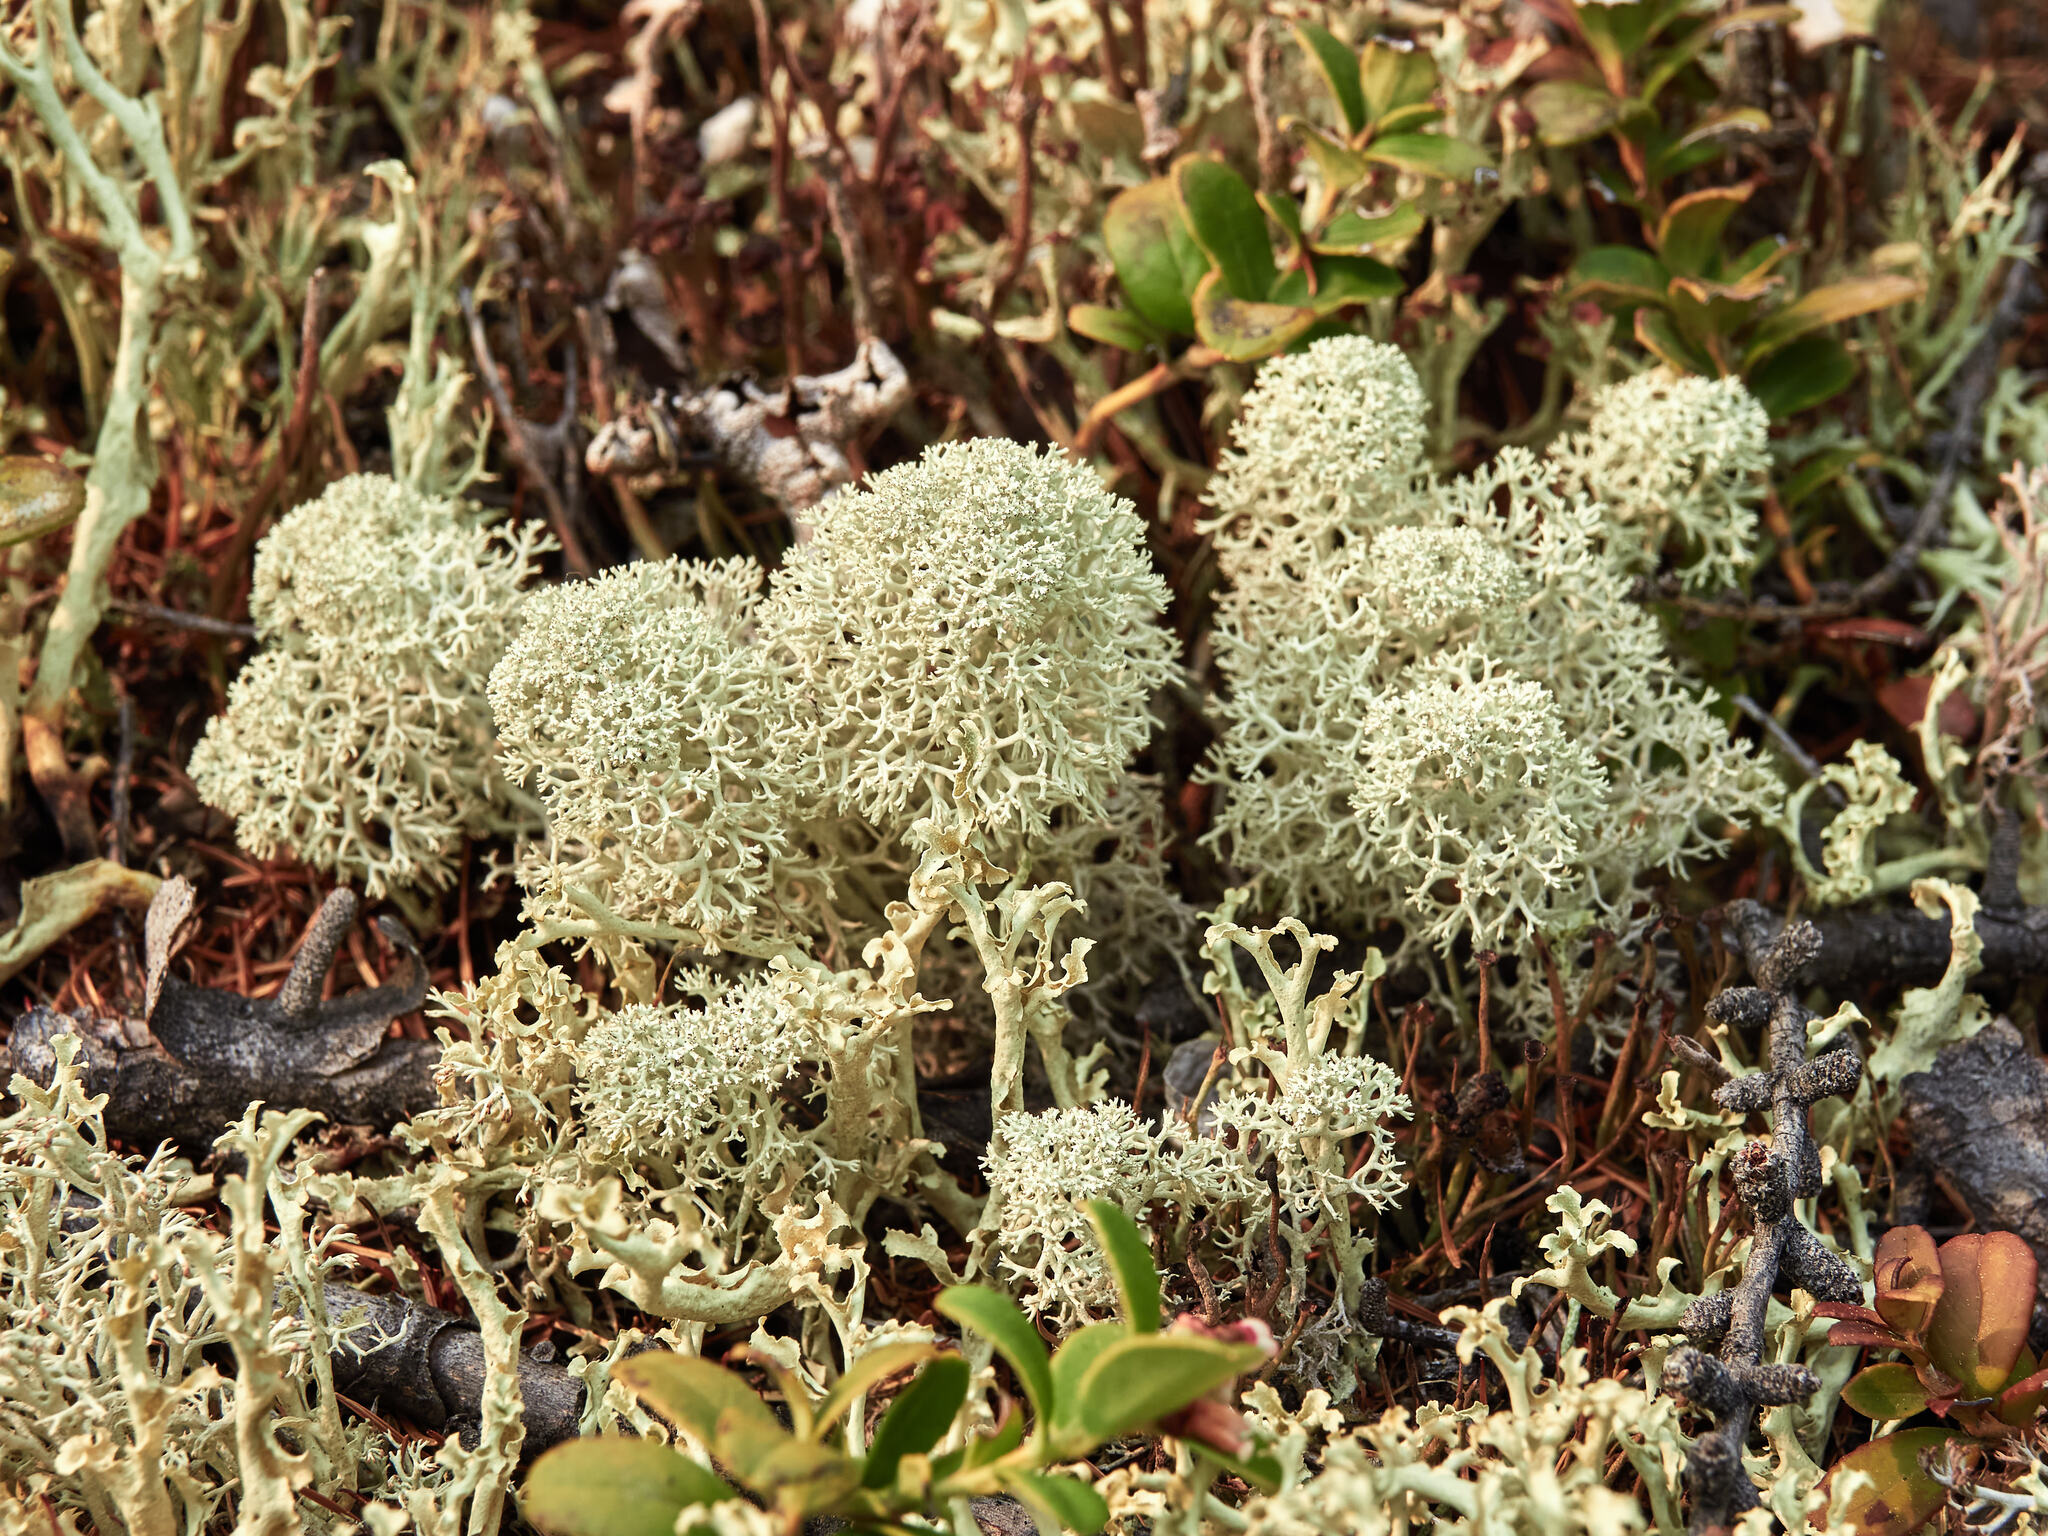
(997, 1318)
(1355, 234)
(1123, 328)
(1156, 258)
(1620, 276)
(1429, 154)
(1886, 1392)
(1829, 305)
(1142, 1379)
(694, 1393)
(1337, 164)
(1396, 78)
(1987, 1302)
(1064, 1501)
(607, 1486)
(876, 1365)
(1689, 234)
(1228, 224)
(1901, 1496)
(1570, 112)
(1338, 66)
(1129, 1254)
(917, 1420)
(1241, 331)
(1810, 372)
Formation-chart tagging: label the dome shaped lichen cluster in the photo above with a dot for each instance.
(1442, 705)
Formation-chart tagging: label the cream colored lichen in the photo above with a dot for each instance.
(638, 710)
(1441, 704)
(359, 739)
(1683, 458)
(976, 630)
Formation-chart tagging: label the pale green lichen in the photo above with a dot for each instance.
(359, 739)
(1873, 790)
(978, 630)
(1678, 458)
(651, 729)
(1442, 706)
(117, 1302)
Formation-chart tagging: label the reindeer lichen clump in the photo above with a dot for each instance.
(1442, 704)
(360, 738)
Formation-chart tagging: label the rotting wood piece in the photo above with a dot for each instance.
(199, 1055)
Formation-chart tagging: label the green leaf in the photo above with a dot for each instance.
(874, 1366)
(1337, 164)
(1130, 1259)
(1053, 1499)
(1340, 282)
(1702, 142)
(1395, 78)
(1656, 333)
(997, 1318)
(1823, 469)
(1124, 328)
(1142, 1379)
(1676, 58)
(607, 1486)
(695, 1393)
(1156, 258)
(917, 1420)
(1070, 1362)
(1339, 68)
(1886, 1392)
(1241, 331)
(1227, 224)
(1570, 112)
(1283, 210)
(1429, 154)
(1827, 306)
(1355, 234)
(1902, 1496)
(819, 1475)
(1812, 370)
(1008, 1435)
(1621, 277)
(1689, 235)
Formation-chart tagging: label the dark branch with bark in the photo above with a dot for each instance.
(199, 1056)
(1734, 1383)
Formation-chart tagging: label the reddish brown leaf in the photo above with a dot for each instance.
(1848, 1311)
(1980, 1325)
(1909, 1280)
(1858, 1336)
(1904, 1496)
(2023, 1402)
